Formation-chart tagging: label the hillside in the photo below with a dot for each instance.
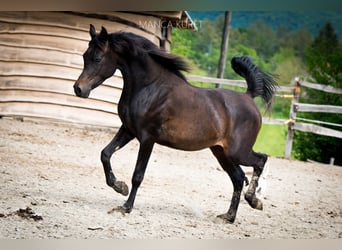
(309, 20)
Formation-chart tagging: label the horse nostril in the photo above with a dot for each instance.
(77, 90)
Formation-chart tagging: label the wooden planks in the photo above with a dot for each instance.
(30, 96)
(305, 107)
(41, 58)
(74, 24)
(321, 87)
(58, 112)
(109, 91)
(312, 128)
(39, 55)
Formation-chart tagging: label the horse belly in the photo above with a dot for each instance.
(188, 135)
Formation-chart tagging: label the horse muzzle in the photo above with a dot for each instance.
(84, 93)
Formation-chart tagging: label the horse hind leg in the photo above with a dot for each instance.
(237, 177)
(257, 161)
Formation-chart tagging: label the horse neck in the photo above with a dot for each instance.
(137, 74)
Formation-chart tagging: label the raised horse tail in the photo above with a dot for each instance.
(259, 83)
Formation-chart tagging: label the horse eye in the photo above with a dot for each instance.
(98, 55)
(98, 59)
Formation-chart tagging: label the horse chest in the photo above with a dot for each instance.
(134, 116)
(126, 117)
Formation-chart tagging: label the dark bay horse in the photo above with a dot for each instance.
(157, 105)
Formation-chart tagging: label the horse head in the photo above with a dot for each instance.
(99, 63)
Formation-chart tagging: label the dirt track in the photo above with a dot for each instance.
(53, 186)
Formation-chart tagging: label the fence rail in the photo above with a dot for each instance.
(305, 107)
(307, 127)
(228, 82)
(325, 88)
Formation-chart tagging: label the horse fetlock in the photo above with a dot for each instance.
(121, 187)
(110, 179)
(127, 208)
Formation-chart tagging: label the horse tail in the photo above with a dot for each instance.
(259, 83)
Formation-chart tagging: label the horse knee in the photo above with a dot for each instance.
(105, 156)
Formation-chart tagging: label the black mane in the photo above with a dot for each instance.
(137, 46)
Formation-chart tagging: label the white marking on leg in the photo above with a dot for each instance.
(263, 181)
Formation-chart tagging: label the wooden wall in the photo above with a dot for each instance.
(41, 57)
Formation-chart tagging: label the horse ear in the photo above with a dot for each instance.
(103, 35)
(92, 31)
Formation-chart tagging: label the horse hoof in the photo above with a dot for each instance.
(121, 187)
(227, 218)
(122, 209)
(259, 205)
(253, 201)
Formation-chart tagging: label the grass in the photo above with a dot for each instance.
(271, 140)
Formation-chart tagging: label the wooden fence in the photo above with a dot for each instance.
(307, 124)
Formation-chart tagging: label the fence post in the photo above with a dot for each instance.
(292, 119)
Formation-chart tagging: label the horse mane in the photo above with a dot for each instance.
(132, 45)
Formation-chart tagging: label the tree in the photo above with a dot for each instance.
(324, 57)
(262, 38)
(324, 63)
(267, 46)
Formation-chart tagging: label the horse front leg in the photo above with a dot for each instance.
(121, 138)
(144, 154)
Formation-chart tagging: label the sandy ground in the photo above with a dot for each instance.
(53, 186)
